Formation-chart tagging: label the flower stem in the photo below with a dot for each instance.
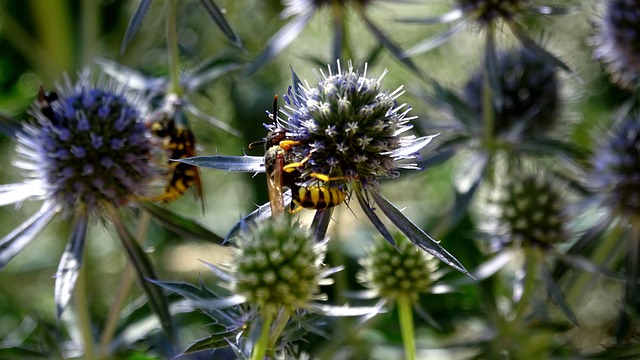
(126, 281)
(84, 317)
(261, 346)
(279, 325)
(405, 313)
(531, 258)
(172, 48)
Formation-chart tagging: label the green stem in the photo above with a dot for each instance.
(84, 316)
(531, 266)
(488, 113)
(281, 321)
(405, 313)
(339, 19)
(172, 48)
(90, 23)
(53, 25)
(261, 346)
(126, 282)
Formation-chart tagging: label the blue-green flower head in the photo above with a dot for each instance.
(616, 168)
(349, 126)
(530, 93)
(487, 11)
(617, 43)
(88, 147)
(279, 264)
(532, 211)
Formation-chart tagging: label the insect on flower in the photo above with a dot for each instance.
(179, 142)
(283, 171)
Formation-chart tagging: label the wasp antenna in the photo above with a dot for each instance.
(275, 109)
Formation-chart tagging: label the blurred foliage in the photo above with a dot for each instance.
(40, 40)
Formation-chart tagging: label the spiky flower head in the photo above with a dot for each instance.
(391, 272)
(349, 126)
(616, 167)
(532, 211)
(529, 93)
(279, 265)
(88, 147)
(617, 43)
(488, 11)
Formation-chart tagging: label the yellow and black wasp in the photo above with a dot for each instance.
(179, 143)
(283, 171)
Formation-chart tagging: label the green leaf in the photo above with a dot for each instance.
(280, 40)
(252, 164)
(218, 18)
(372, 216)
(556, 294)
(14, 242)
(538, 50)
(144, 272)
(394, 49)
(180, 225)
(433, 42)
(9, 125)
(70, 263)
(214, 341)
(417, 236)
(135, 23)
(446, 18)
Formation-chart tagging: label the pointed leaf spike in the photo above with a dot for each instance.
(70, 263)
(135, 23)
(414, 233)
(217, 16)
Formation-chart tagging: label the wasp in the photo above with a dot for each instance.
(45, 101)
(179, 143)
(283, 171)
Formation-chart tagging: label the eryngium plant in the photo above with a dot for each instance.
(617, 42)
(88, 153)
(529, 94)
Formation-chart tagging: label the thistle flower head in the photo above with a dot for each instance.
(488, 11)
(279, 265)
(530, 93)
(349, 127)
(616, 167)
(532, 211)
(617, 43)
(88, 147)
(404, 270)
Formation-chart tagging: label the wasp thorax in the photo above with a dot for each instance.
(392, 272)
(278, 264)
(90, 145)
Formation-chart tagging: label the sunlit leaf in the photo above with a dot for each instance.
(70, 263)
(280, 40)
(21, 236)
(252, 164)
(216, 15)
(538, 50)
(180, 225)
(135, 23)
(433, 42)
(414, 233)
(451, 16)
(394, 49)
(372, 216)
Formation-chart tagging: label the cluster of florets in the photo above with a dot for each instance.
(616, 168)
(279, 265)
(617, 43)
(91, 147)
(391, 272)
(487, 11)
(529, 94)
(347, 126)
(532, 211)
